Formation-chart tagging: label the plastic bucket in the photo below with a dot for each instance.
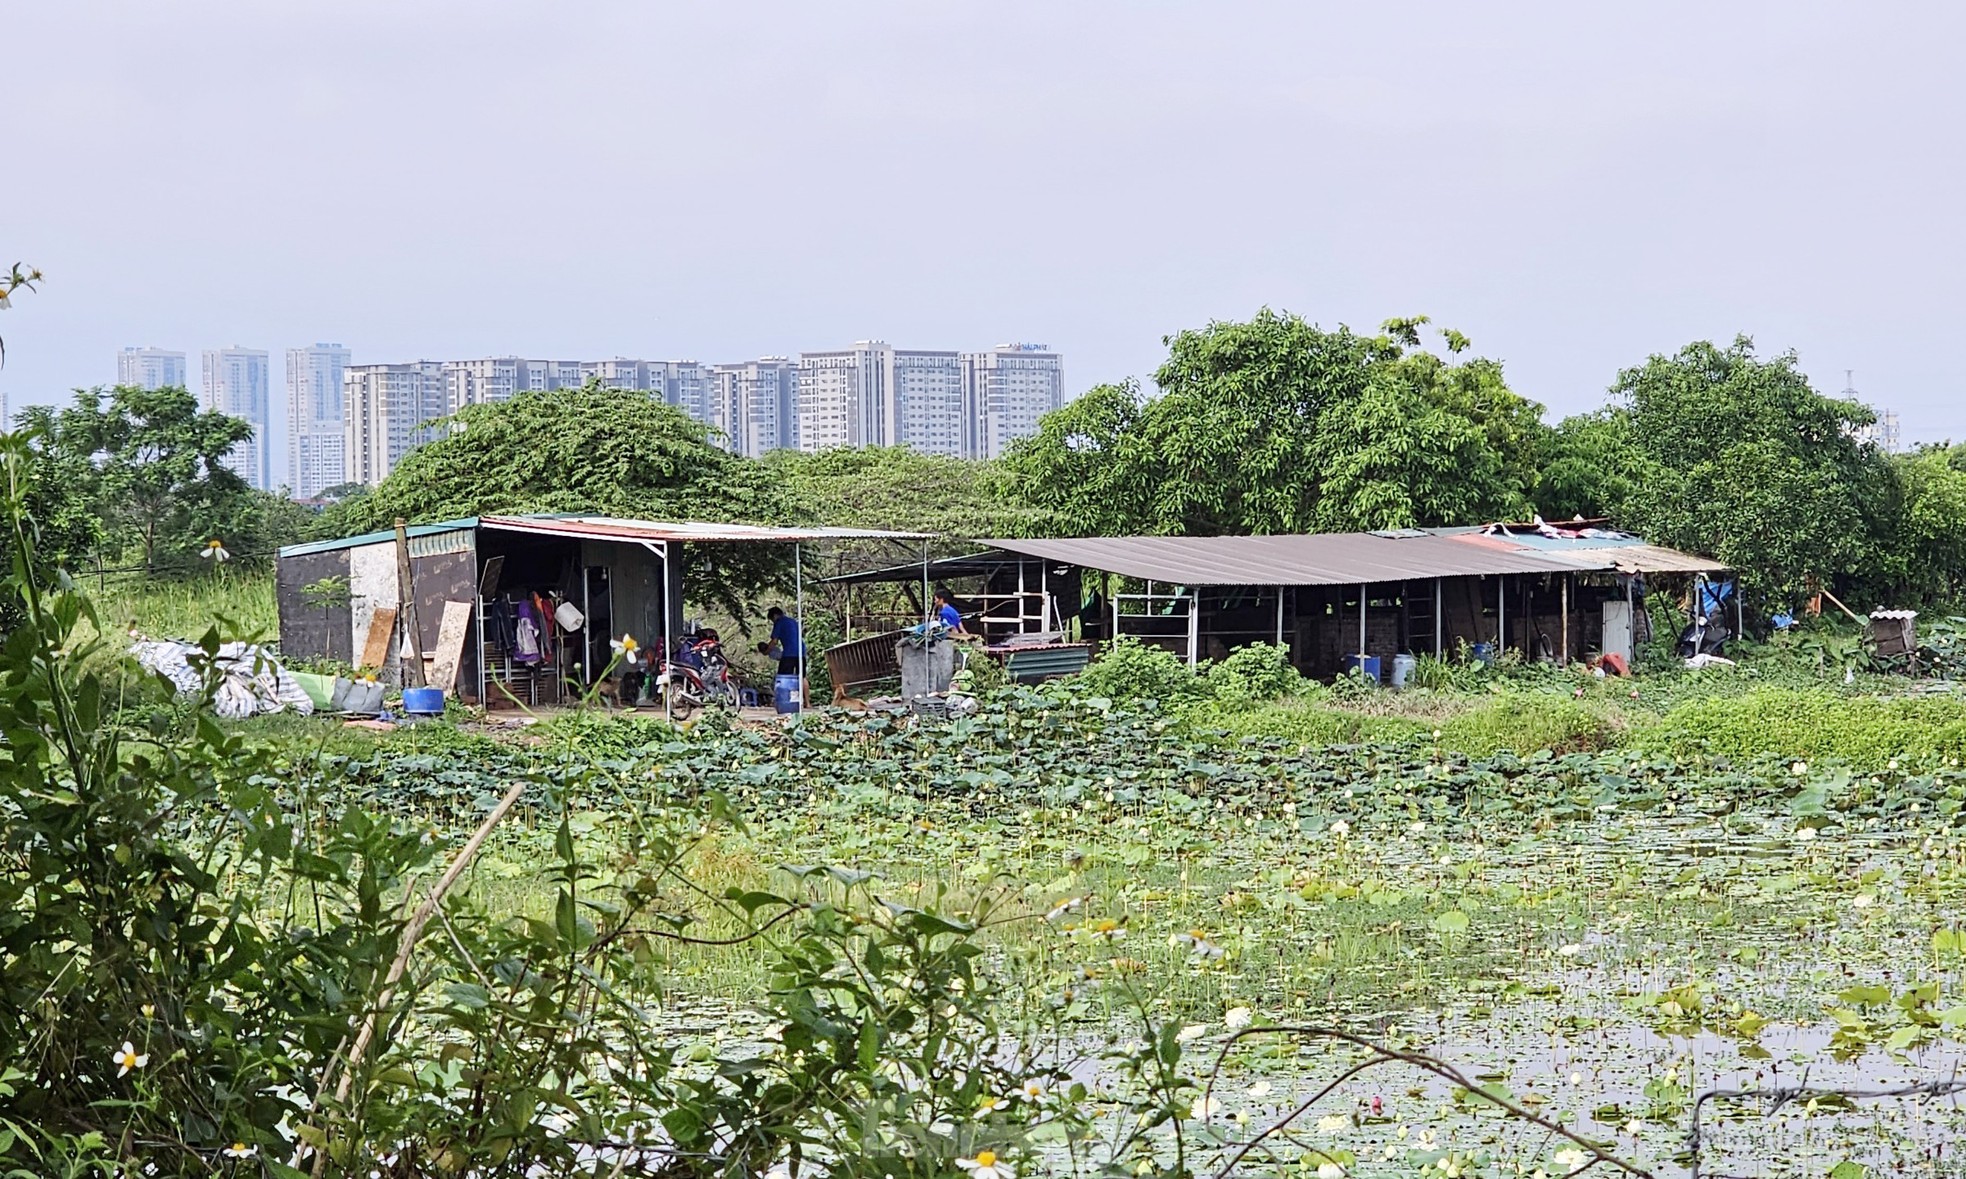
(423, 701)
(785, 693)
(1484, 653)
(1368, 665)
(1403, 668)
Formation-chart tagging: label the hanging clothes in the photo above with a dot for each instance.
(526, 645)
(500, 624)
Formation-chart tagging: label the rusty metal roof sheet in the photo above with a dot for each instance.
(1633, 558)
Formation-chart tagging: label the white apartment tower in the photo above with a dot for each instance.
(877, 395)
(1005, 391)
(315, 426)
(386, 411)
(236, 385)
(756, 404)
(150, 368)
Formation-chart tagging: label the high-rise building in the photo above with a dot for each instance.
(756, 404)
(844, 397)
(386, 411)
(316, 431)
(620, 373)
(236, 385)
(481, 382)
(1005, 391)
(150, 368)
(876, 395)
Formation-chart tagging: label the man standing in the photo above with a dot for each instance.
(786, 640)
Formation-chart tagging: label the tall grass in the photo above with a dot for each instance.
(241, 601)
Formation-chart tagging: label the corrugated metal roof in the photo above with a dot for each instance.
(614, 528)
(603, 528)
(1352, 558)
(1339, 558)
(1632, 558)
(368, 538)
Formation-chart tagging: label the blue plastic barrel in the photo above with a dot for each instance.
(1484, 653)
(785, 694)
(423, 701)
(1366, 664)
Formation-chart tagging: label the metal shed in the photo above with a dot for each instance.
(1559, 590)
(617, 572)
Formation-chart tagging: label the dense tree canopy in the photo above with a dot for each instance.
(591, 449)
(146, 464)
(1719, 451)
(1276, 425)
(595, 450)
(898, 488)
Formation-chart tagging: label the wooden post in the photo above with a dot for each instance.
(406, 591)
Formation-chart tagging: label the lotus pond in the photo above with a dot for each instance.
(1601, 937)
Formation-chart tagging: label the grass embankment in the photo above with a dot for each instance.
(1726, 715)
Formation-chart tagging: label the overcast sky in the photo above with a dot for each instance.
(1575, 188)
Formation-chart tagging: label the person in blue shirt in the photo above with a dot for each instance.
(945, 611)
(786, 640)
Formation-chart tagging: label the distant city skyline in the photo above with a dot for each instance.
(964, 404)
(968, 404)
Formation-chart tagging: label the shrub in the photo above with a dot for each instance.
(1864, 731)
(1254, 674)
(1524, 722)
(1132, 670)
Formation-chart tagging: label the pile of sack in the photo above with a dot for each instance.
(250, 680)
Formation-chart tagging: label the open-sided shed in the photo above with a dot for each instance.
(1556, 590)
(623, 576)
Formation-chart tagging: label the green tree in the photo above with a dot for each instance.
(1275, 425)
(893, 487)
(1926, 558)
(594, 450)
(147, 462)
(1589, 467)
(1737, 456)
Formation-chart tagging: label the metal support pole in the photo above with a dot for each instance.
(1194, 629)
(1740, 613)
(1501, 614)
(1566, 619)
(799, 612)
(1044, 598)
(926, 600)
(1438, 603)
(1631, 622)
(1362, 595)
(663, 668)
(1279, 616)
